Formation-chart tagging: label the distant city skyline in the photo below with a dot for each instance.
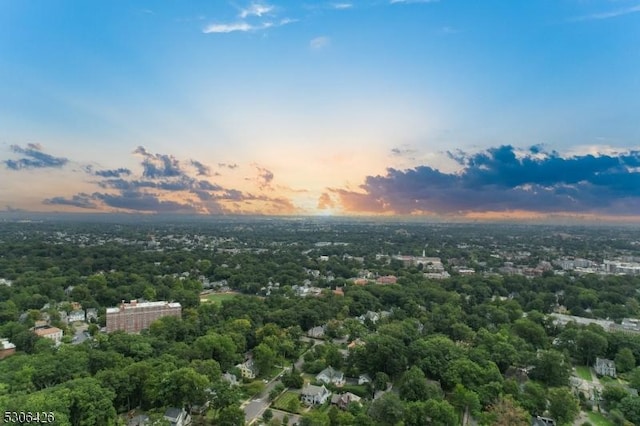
(442, 108)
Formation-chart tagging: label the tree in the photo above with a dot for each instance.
(465, 401)
(589, 346)
(634, 379)
(220, 348)
(506, 412)
(563, 406)
(413, 385)
(90, 403)
(388, 409)
(315, 418)
(267, 415)
(185, 387)
(613, 394)
(431, 412)
(630, 407)
(231, 416)
(551, 368)
(625, 361)
(264, 358)
(533, 398)
(531, 332)
(293, 380)
(380, 381)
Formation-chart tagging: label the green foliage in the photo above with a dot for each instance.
(551, 368)
(625, 361)
(563, 406)
(387, 409)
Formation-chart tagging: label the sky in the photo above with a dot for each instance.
(436, 108)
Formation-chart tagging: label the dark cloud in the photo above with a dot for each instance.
(34, 158)
(184, 183)
(264, 178)
(403, 152)
(81, 200)
(499, 180)
(202, 169)
(164, 186)
(228, 166)
(113, 173)
(146, 202)
(157, 166)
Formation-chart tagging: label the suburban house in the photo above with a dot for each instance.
(343, 400)
(92, 314)
(605, 367)
(314, 395)
(139, 420)
(230, 378)
(542, 421)
(364, 378)
(177, 417)
(6, 348)
(317, 332)
(248, 369)
(331, 375)
(78, 315)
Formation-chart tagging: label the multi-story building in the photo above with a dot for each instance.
(134, 317)
(48, 332)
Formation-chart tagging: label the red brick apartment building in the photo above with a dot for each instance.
(136, 316)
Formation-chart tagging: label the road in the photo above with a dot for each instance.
(255, 406)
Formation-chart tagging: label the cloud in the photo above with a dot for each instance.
(403, 152)
(202, 169)
(113, 173)
(228, 166)
(158, 165)
(342, 6)
(81, 200)
(264, 178)
(505, 179)
(228, 28)
(325, 202)
(319, 42)
(33, 158)
(165, 186)
(255, 9)
(608, 15)
(138, 201)
(243, 26)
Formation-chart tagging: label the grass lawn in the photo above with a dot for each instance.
(584, 372)
(283, 402)
(598, 419)
(221, 297)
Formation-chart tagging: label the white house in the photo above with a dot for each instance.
(314, 395)
(248, 369)
(605, 367)
(364, 378)
(331, 375)
(77, 315)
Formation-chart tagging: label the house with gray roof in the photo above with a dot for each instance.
(331, 375)
(314, 395)
(605, 367)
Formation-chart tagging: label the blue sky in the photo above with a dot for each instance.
(312, 101)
